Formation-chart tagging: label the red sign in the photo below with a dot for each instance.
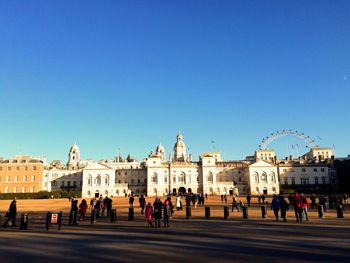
(54, 218)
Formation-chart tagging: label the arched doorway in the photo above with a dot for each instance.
(97, 194)
(182, 190)
(189, 190)
(174, 191)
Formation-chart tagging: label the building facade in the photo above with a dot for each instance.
(21, 174)
(262, 173)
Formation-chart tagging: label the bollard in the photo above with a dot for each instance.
(320, 211)
(131, 214)
(24, 222)
(226, 212)
(47, 223)
(339, 211)
(188, 212)
(113, 215)
(245, 212)
(263, 211)
(207, 212)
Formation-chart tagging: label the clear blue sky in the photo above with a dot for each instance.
(130, 74)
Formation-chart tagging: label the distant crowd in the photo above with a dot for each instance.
(154, 213)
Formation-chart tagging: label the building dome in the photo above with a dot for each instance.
(74, 148)
(160, 148)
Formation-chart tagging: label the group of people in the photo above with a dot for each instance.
(99, 205)
(158, 210)
(298, 201)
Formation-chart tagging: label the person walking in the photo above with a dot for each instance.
(178, 203)
(11, 214)
(234, 204)
(149, 214)
(82, 210)
(275, 206)
(225, 198)
(142, 202)
(297, 206)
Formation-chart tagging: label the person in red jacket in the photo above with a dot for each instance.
(298, 205)
(82, 209)
(149, 214)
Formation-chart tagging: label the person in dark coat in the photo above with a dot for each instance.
(11, 214)
(108, 204)
(248, 199)
(142, 202)
(157, 208)
(284, 207)
(74, 209)
(131, 201)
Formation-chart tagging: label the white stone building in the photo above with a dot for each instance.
(263, 178)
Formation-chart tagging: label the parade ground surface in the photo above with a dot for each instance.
(186, 240)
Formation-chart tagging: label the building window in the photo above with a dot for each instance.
(33, 178)
(322, 169)
(24, 178)
(7, 178)
(16, 178)
(23, 189)
(68, 184)
(34, 168)
(0, 168)
(264, 178)
(285, 181)
(32, 189)
(210, 177)
(132, 181)
(6, 189)
(62, 183)
(154, 178)
(89, 180)
(181, 178)
(284, 170)
(165, 179)
(324, 180)
(106, 179)
(293, 180)
(98, 180)
(198, 179)
(315, 169)
(138, 180)
(303, 169)
(17, 168)
(119, 182)
(26, 168)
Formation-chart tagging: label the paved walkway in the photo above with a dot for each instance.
(196, 240)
